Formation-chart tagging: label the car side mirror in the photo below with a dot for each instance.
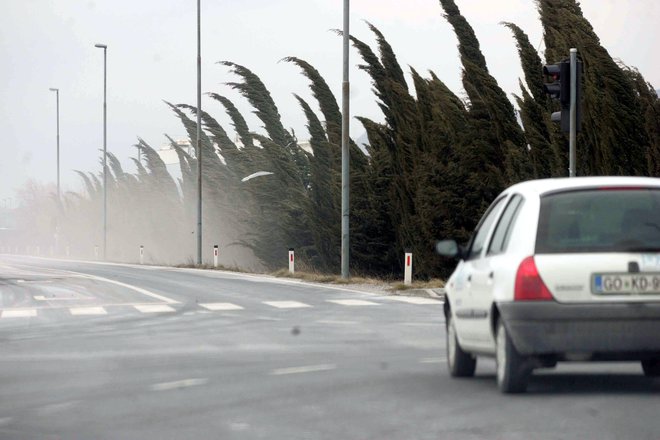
(449, 248)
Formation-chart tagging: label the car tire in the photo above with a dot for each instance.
(513, 370)
(460, 363)
(651, 367)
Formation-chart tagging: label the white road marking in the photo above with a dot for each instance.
(239, 426)
(55, 408)
(415, 300)
(332, 321)
(88, 311)
(286, 304)
(303, 369)
(185, 383)
(20, 281)
(154, 308)
(117, 283)
(21, 313)
(57, 298)
(353, 302)
(437, 360)
(221, 306)
(135, 288)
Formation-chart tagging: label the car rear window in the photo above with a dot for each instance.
(600, 220)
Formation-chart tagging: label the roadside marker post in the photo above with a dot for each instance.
(407, 274)
(96, 252)
(141, 254)
(215, 255)
(291, 261)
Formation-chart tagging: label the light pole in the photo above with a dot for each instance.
(105, 146)
(199, 135)
(57, 100)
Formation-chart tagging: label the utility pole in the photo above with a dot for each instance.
(345, 157)
(57, 99)
(199, 136)
(105, 151)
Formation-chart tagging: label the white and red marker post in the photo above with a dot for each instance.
(292, 261)
(215, 255)
(141, 254)
(407, 272)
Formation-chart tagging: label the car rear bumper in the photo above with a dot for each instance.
(538, 328)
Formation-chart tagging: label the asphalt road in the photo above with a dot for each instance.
(94, 351)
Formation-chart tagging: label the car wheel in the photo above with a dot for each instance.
(513, 370)
(460, 363)
(651, 367)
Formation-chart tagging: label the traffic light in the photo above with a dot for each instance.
(558, 86)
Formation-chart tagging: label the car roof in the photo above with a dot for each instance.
(543, 186)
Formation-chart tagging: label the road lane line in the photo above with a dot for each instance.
(221, 306)
(21, 313)
(303, 369)
(178, 384)
(154, 308)
(286, 304)
(352, 302)
(135, 288)
(436, 360)
(56, 298)
(87, 311)
(332, 321)
(117, 283)
(414, 300)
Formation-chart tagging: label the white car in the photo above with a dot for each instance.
(558, 270)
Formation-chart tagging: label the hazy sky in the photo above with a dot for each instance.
(152, 57)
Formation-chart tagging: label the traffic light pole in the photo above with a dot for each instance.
(573, 115)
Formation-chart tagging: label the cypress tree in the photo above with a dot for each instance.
(611, 141)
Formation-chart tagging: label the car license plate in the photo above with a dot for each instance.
(626, 283)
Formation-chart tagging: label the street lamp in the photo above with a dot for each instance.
(57, 100)
(105, 139)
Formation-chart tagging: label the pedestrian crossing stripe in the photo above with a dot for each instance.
(19, 313)
(353, 302)
(220, 306)
(213, 307)
(286, 304)
(414, 300)
(154, 308)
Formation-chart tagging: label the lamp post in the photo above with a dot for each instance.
(57, 100)
(105, 146)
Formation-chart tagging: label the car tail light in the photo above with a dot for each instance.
(529, 285)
